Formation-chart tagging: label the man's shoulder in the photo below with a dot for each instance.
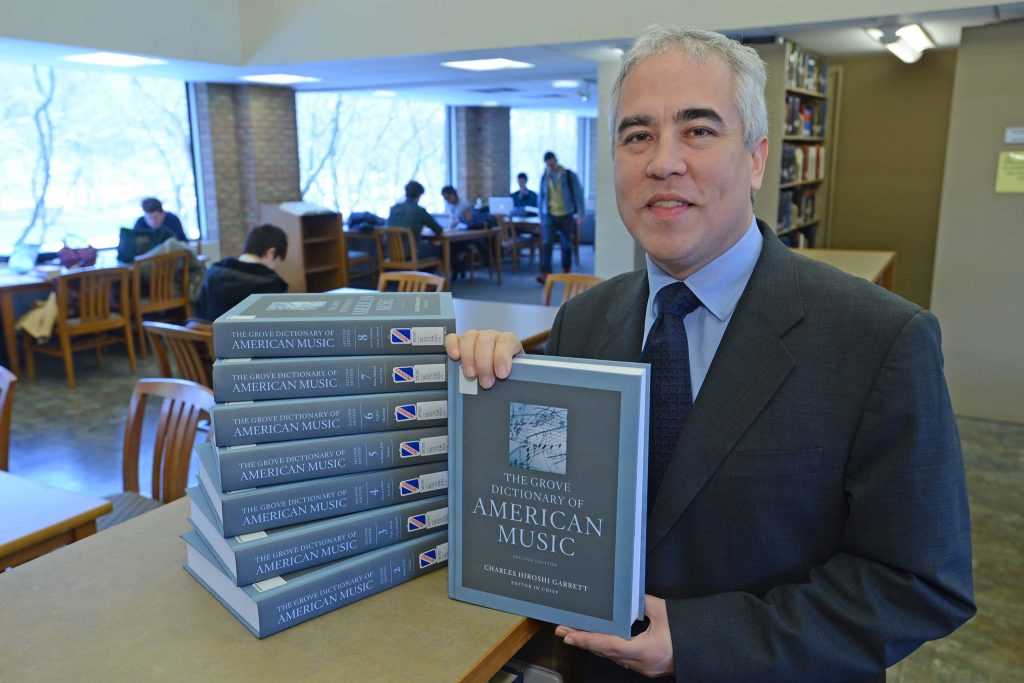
(626, 286)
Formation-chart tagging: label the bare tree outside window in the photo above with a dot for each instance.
(532, 133)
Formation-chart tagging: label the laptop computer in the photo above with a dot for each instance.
(502, 205)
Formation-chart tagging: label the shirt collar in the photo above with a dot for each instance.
(718, 284)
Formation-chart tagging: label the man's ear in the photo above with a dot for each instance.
(758, 157)
(271, 254)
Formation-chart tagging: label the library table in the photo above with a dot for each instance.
(119, 607)
(36, 518)
(12, 283)
(493, 235)
(874, 266)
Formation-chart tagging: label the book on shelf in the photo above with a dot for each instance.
(335, 324)
(249, 558)
(278, 603)
(251, 422)
(280, 462)
(261, 379)
(270, 507)
(548, 494)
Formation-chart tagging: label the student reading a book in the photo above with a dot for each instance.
(807, 511)
(154, 217)
(230, 280)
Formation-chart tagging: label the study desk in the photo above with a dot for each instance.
(12, 283)
(36, 518)
(492, 235)
(119, 607)
(874, 266)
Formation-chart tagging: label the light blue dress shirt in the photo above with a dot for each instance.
(718, 285)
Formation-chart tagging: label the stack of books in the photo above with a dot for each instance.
(327, 478)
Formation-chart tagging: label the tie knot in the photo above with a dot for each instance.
(677, 299)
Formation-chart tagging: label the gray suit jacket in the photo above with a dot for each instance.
(813, 520)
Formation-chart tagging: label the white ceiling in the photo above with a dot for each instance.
(423, 77)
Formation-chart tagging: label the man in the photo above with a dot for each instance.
(459, 213)
(809, 519)
(155, 217)
(523, 197)
(230, 280)
(561, 212)
(409, 214)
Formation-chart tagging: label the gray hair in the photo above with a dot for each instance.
(749, 73)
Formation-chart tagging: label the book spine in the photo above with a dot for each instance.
(335, 337)
(260, 379)
(350, 581)
(287, 461)
(236, 424)
(273, 507)
(351, 535)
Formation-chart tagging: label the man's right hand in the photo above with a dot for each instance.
(485, 354)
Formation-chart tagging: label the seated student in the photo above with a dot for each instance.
(155, 217)
(409, 214)
(230, 280)
(523, 197)
(458, 211)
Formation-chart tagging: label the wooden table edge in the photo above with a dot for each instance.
(492, 660)
(60, 527)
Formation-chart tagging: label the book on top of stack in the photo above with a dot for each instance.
(327, 477)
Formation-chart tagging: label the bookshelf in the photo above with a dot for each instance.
(315, 244)
(794, 194)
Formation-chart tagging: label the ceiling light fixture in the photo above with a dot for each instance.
(906, 42)
(384, 93)
(116, 59)
(564, 84)
(490, 103)
(487, 64)
(280, 79)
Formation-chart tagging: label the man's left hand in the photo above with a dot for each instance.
(649, 653)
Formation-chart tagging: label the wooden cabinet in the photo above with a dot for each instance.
(315, 244)
(794, 194)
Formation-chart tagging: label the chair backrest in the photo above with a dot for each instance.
(7, 381)
(167, 278)
(185, 403)
(410, 281)
(396, 244)
(86, 296)
(192, 350)
(574, 283)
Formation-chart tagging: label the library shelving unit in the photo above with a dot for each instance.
(315, 244)
(794, 193)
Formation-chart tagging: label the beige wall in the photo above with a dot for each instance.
(978, 288)
(890, 152)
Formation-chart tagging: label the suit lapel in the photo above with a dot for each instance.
(624, 322)
(749, 366)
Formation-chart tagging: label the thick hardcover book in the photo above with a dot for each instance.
(270, 507)
(260, 555)
(274, 325)
(275, 604)
(242, 467)
(248, 422)
(260, 379)
(548, 493)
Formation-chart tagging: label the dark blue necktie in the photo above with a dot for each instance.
(668, 353)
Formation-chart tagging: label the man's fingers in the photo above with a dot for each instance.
(452, 346)
(507, 346)
(485, 354)
(467, 349)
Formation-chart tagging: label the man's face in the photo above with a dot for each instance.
(682, 174)
(155, 219)
(449, 197)
(522, 183)
(551, 164)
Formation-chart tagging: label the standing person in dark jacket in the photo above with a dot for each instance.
(230, 280)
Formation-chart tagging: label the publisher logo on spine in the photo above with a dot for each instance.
(428, 558)
(404, 374)
(409, 487)
(409, 449)
(417, 522)
(401, 335)
(405, 413)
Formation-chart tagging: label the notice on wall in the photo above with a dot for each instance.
(1010, 172)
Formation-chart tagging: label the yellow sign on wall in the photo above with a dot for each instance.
(1010, 173)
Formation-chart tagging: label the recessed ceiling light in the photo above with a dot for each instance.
(617, 51)
(564, 84)
(487, 64)
(280, 79)
(384, 93)
(113, 59)
(490, 103)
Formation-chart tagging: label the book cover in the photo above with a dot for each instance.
(270, 507)
(262, 554)
(250, 422)
(279, 462)
(271, 325)
(261, 379)
(548, 495)
(275, 604)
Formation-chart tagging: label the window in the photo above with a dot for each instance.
(532, 133)
(356, 153)
(81, 149)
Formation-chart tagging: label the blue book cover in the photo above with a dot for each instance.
(249, 558)
(247, 422)
(272, 605)
(335, 324)
(270, 507)
(548, 491)
(261, 379)
(280, 462)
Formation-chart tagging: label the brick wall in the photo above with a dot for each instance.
(482, 141)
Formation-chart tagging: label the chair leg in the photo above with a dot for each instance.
(30, 357)
(69, 360)
(131, 349)
(142, 334)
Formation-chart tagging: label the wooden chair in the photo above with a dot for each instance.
(191, 348)
(7, 381)
(513, 242)
(397, 249)
(574, 283)
(185, 403)
(364, 263)
(160, 284)
(84, 310)
(411, 281)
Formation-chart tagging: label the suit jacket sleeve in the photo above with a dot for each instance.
(902, 572)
